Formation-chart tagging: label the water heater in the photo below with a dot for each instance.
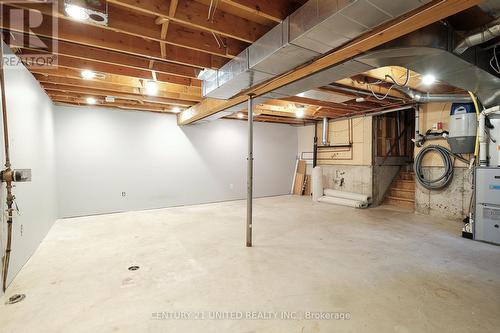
(463, 128)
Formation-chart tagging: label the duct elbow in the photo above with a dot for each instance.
(488, 33)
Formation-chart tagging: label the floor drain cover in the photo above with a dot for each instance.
(133, 268)
(16, 298)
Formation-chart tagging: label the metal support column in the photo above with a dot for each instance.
(250, 171)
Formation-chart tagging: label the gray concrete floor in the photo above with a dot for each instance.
(392, 271)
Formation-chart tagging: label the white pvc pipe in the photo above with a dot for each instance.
(317, 183)
(346, 195)
(343, 202)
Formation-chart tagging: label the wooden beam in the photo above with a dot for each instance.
(193, 92)
(194, 14)
(103, 93)
(102, 103)
(110, 87)
(53, 94)
(64, 62)
(106, 39)
(419, 18)
(273, 10)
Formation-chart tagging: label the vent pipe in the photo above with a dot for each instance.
(491, 31)
(324, 136)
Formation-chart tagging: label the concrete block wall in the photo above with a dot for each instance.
(349, 178)
(450, 203)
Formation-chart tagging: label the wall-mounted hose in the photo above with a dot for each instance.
(448, 160)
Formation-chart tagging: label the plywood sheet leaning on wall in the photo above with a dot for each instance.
(300, 178)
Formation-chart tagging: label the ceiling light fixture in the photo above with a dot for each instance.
(176, 109)
(300, 111)
(239, 115)
(76, 12)
(91, 100)
(428, 79)
(151, 87)
(88, 74)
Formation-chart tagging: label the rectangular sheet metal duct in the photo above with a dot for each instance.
(317, 27)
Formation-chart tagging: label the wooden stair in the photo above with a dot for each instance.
(401, 193)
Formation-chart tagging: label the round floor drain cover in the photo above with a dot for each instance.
(16, 298)
(133, 268)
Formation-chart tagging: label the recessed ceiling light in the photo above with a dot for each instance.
(151, 87)
(88, 74)
(428, 79)
(300, 111)
(91, 100)
(239, 115)
(76, 12)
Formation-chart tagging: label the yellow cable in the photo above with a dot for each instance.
(476, 106)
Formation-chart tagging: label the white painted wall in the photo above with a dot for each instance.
(305, 140)
(30, 119)
(104, 152)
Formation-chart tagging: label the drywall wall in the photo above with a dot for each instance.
(31, 132)
(305, 144)
(112, 160)
(452, 202)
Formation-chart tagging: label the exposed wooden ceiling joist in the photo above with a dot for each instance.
(194, 93)
(111, 87)
(421, 17)
(102, 103)
(194, 14)
(137, 24)
(72, 31)
(103, 93)
(173, 73)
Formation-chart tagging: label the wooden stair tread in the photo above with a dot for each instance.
(402, 189)
(401, 199)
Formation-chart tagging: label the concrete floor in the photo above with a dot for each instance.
(392, 271)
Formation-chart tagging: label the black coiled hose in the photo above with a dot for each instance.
(445, 179)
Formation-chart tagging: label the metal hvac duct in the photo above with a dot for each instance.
(317, 27)
(324, 137)
(491, 31)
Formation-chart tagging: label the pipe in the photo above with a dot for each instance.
(324, 135)
(476, 107)
(483, 142)
(250, 171)
(430, 98)
(482, 137)
(417, 123)
(489, 32)
(6, 175)
(315, 145)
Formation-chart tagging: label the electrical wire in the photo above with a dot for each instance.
(407, 80)
(496, 65)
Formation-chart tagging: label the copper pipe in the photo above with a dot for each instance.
(6, 174)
